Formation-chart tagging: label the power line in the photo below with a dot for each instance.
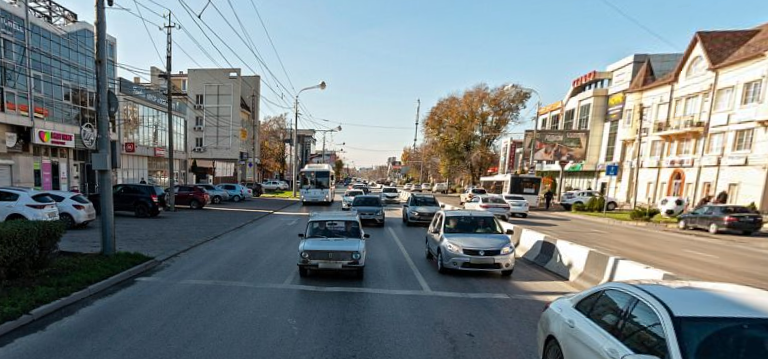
(638, 23)
(272, 44)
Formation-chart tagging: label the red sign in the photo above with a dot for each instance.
(130, 147)
(511, 157)
(584, 79)
(159, 151)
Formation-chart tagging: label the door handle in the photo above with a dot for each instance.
(611, 352)
(570, 323)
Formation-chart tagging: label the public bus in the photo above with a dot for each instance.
(522, 185)
(317, 183)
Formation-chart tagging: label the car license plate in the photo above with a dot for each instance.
(51, 215)
(481, 260)
(329, 265)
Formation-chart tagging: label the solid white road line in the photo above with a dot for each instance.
(419, 277)
(238, 209)
(701, 254)
(313, 288)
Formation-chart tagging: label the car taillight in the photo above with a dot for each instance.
(78, 207)
(485, 206)
(729, 219)
(154, 198)
(37, 206)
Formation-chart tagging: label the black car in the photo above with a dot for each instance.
(256, 188)
(723, 217)
(141, 199)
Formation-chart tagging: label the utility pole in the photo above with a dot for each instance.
(255, 136)
(295, 154)
(637, 155)
(323, 159)
(102, 161)
(169, 86)
(416, 132)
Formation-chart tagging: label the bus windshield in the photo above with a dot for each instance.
(315, 180)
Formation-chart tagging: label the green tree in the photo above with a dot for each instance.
(338, 166)
(462, 129)
(272, 134)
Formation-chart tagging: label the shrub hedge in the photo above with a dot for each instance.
(27, 245)
(643, 214)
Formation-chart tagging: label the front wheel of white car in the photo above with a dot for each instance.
(552, 350)
(427, 253)
(440, 267)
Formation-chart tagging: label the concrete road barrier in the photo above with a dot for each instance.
(583, 266)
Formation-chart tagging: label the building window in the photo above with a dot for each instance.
(657, 147)
(679, 107)
(743, 140)
(37, 83)
(568, 119)
(199, 121)
(649, 191)
(184, 83)
(751, 92)
(685, 147)
(706, 188)
(627, 117)
(691, 105)
(554, 122)
(716, 143)
(723, 99)
(661, 112)
(697, 67)
(543, 123)
(584, 116)
(199, 99)
(610, 149)
(198, 142)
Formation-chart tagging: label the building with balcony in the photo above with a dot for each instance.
(705, 124)
(48, 97)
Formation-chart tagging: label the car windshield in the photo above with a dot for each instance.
(736, 210)
(367, 202)
(333, 229)
(723, 338)
(353, 193)
(389, 190)
(472, 224)
(425, 201)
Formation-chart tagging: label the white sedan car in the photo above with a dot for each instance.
(74, 209)
(518, 205)
(19, 203)
(657, 320)
(489, 203)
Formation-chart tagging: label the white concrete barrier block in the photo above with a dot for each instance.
(624, 269)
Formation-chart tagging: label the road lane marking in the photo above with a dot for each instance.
(415, 270)
(238, 209)
(701, 254)
(398, 292)
(598, 231)
(293, 213)
(290, 277)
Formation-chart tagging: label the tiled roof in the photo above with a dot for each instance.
(721, 45)
(756, 45)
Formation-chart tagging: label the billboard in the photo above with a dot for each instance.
(557, 145)
(615, 106)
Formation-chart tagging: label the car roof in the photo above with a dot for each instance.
(467, 213)
(30, 191)
(427, 195)
(707, 299)
(333, 216)
(64, 193)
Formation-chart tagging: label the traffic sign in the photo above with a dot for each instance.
(612, 170)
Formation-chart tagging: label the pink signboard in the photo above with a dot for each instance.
(47, 175)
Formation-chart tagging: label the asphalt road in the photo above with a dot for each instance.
(240, 296)
(692, 254)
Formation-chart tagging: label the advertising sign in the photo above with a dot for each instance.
(615, 106)
(570, 146)
(130, 147)
(53, 138)
(47, 175)
(159, 151)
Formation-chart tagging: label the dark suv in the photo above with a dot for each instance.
(141, 199)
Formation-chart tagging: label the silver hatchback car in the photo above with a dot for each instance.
(471, 241)
(332, 241)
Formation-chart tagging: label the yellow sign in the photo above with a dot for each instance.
(551, 107)
(243, 134)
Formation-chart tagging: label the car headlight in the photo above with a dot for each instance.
(356, 256)
(305, 255)
(452, 247)
(507, 250)
(379, 213)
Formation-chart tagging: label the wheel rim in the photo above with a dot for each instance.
(217, 200)
(712, 228)
(554, 352)
(681, 224)
(194, 205)
(68, 221)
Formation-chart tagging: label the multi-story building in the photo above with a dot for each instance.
(580, 134)
(706, 122)
(143, 129)
(222, 123)
(48, 96)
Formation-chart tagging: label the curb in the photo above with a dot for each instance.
(96, 288)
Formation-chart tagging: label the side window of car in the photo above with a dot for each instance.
(8, 197)
(609, 309)
(710, 211)
(643, 333)
(586, 304)
(55, 197)
(433, 225)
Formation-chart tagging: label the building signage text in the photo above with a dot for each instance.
(551, 107)
(679, 162)
(53, 138)
(10, 26)
(735, 160)
(137, 90)
(584, 79)
(615, 106)
(159, 151)
(130, 147)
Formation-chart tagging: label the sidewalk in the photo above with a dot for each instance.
(171, 232)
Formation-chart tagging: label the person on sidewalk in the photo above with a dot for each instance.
(722, 197)
(548, 197)
(142, 181)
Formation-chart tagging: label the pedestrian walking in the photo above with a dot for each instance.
(722, 197)
(142, 181)
(548, 198)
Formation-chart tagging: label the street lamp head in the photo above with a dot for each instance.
(338, 128)
(322, 85)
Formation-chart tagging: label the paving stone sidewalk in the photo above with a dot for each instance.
(171, 232)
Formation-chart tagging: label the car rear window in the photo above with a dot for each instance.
(479, 191)
(389, 190)
(353, 193)
(367, 201)
(736, 210)
(43, 198)
(425, 201)
(79, 198)
(494, 200)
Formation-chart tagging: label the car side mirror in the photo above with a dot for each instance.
(510, 231)
(366, 236)
(442, 205)
(301, 235)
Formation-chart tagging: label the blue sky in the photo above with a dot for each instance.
(378, 57)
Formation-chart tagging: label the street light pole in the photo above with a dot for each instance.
(294, 143)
